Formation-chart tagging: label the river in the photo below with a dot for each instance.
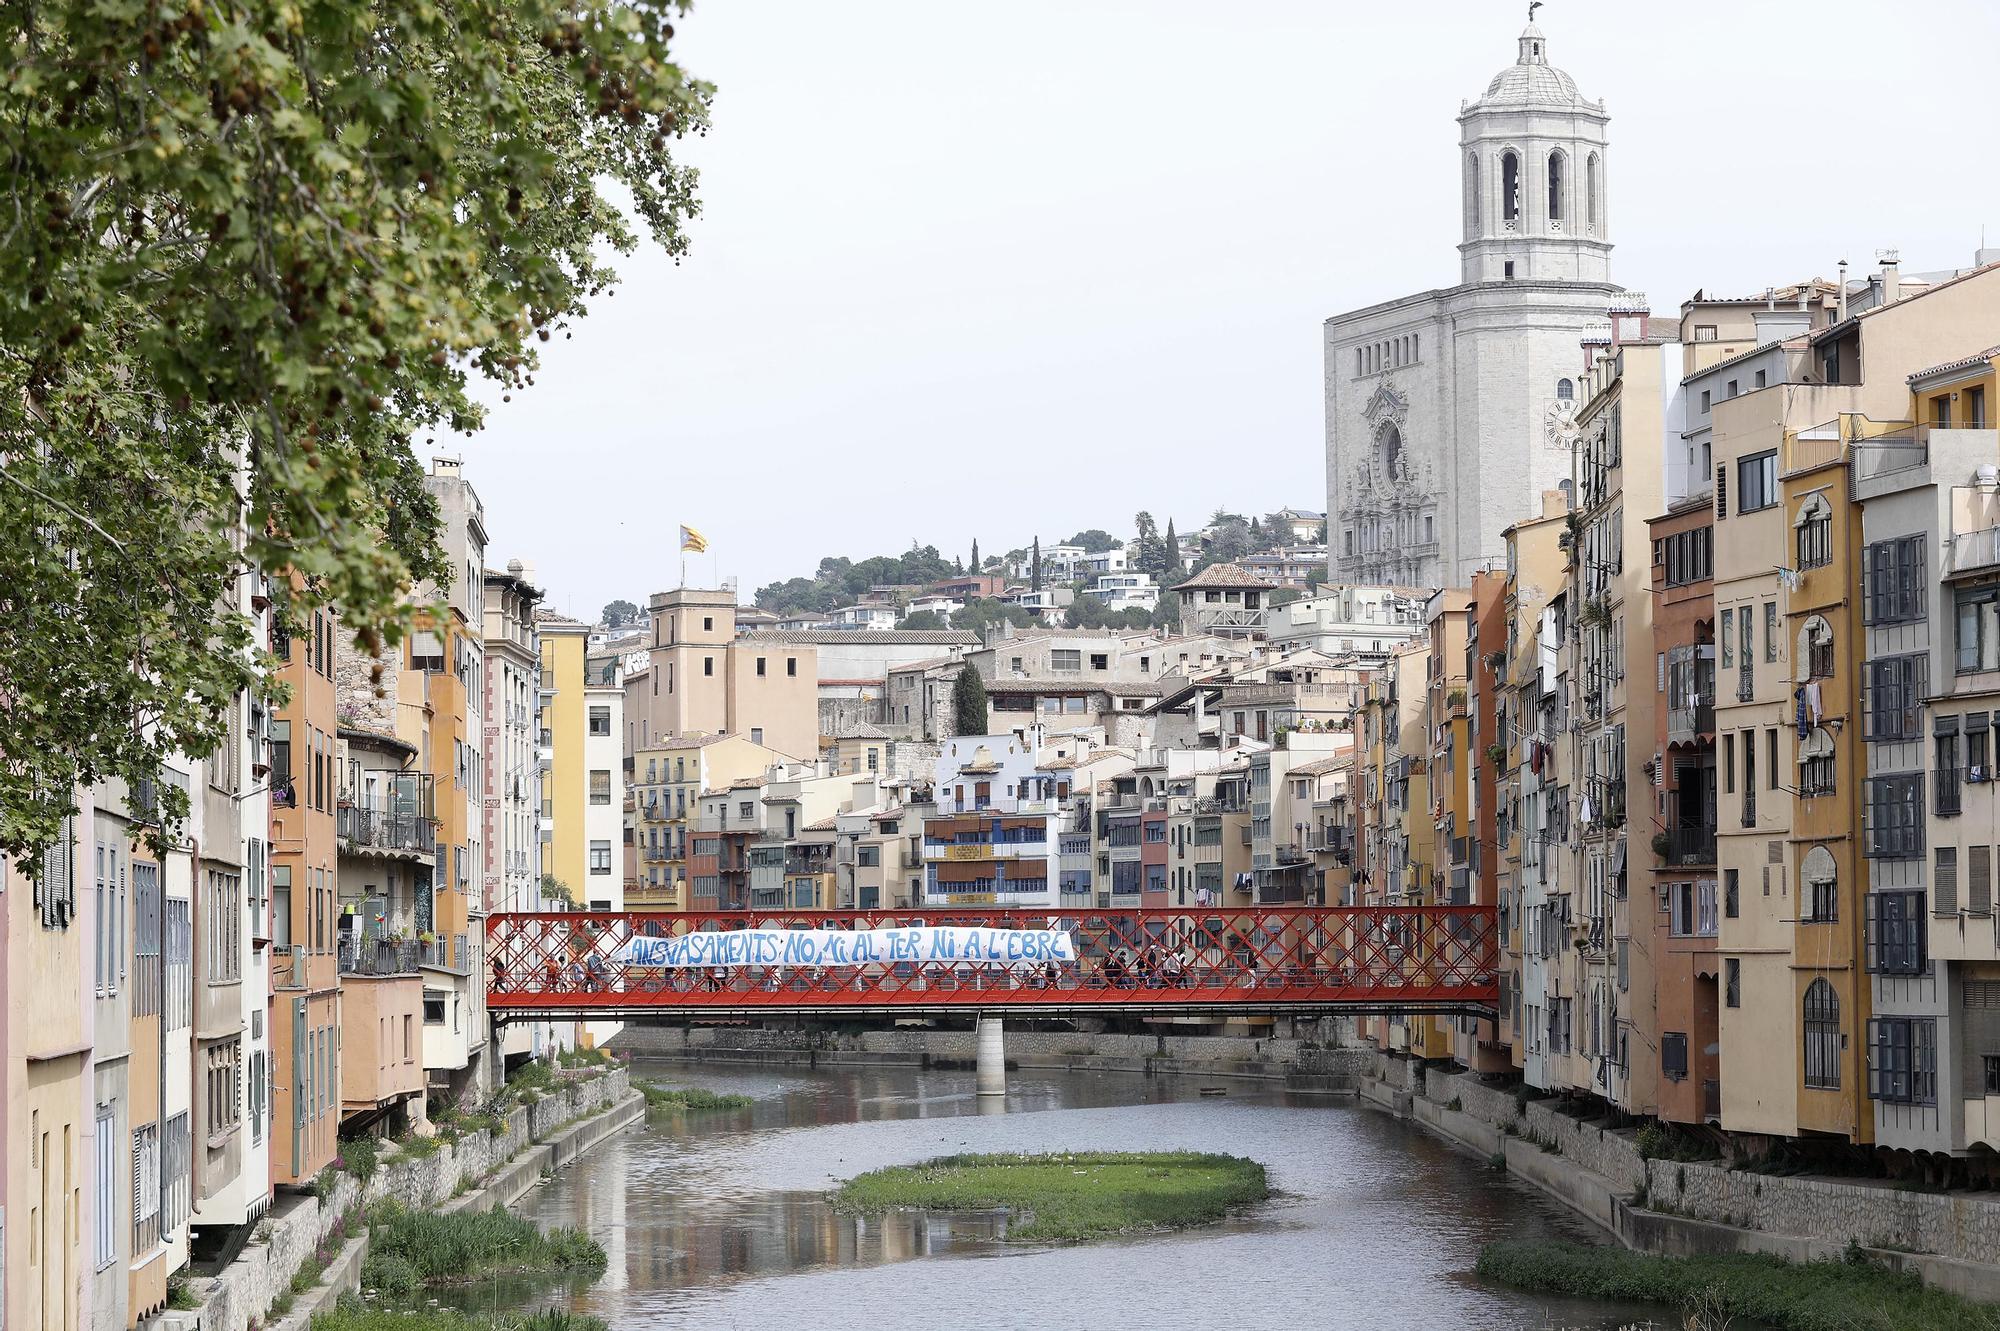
(719, 1220)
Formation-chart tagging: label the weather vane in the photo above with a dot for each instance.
(1532, 7)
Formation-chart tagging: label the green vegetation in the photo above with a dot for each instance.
(679, 1098)
(391, 1275)
(352, 1314)
(1821, 1296)
(180, 1292)
(287, 242)
(1659, 1141)
(461, 1246)
(968, 703)
(579, 1057)
(359, 1156)
(526, 1084)
(1067, 1197)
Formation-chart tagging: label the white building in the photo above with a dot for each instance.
(866, 616)
(603, 753)
(1449, 412)
(945, 606)
(511, 872)
(1369, 622)
(1047, 601)
(1125, 591)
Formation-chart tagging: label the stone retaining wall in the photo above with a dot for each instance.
(301, 1223)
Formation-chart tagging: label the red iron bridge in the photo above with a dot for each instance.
(1292, 959)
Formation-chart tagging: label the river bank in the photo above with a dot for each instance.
(311, 1246)
(1696, 1208)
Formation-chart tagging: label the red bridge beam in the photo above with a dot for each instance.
(1298, 958)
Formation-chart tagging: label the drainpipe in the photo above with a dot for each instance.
(1840, 300)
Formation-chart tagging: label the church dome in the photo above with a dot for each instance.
(1531, 80)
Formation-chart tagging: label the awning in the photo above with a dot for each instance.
(1618, 859)
(1818, 744)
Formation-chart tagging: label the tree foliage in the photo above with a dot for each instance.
(252, 248)
(983, 612)
(968, 703)
(838, 580)
(1095, 541)
(619, 613)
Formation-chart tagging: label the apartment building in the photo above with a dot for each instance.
(1687, 973)
(1358, 621)
(669, 778)
(304, 969)
(995, 837)
(512, 795)
(1223, 601)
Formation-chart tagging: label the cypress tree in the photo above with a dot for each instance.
(1035, 569)
(974, 568)
(1173, 559)
(968, 702)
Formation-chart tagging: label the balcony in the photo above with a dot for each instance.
(1974, 552)
(378, 956)
(1289, 854)
(389, 833)
(1690, 844)
(1691, 693)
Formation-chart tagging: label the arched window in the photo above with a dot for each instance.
(1816, 649)
(1590, 192)
(1471, 195)
(1822, 1036)
(1389, 449)
(1565, 391)
(1510, 189)
(1558, 184)
(1820, 895)
(1813, 528)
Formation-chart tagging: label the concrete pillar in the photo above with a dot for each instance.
(992, 1064)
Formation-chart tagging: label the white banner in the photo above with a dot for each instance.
(852, 947)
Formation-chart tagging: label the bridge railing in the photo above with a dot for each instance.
(1374, 958)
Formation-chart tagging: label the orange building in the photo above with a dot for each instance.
(305, 978)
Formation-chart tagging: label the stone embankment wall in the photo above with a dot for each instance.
(1278, 1058)
(1951, 1239)
(301, 1224)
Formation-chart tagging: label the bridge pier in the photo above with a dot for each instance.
(991, 1068)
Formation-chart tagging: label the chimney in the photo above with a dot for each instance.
(1892, 275)
(1840, 301)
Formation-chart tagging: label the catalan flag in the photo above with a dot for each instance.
(692, 539)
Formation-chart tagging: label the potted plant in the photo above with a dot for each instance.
(1660, 844)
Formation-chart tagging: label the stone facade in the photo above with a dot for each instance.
(1448, 412)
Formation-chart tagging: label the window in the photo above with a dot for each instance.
(1730, 901)
(433, 1009)
(756, 734)
(224, 941)
(1977, 613)
(1822, 1036)
(1975, 407)
(1065, 661)
(1770, 630)
(178, 1002)
(1728, 638)
(1692, 907)
(1510, 193)
(1820, 893)
(600, 720)
(1976, 770)
(1704, 332)
(1558, 182)
(868, 857)
(225, 1086)
(1771, 757)
(1893, 579)
(791, 665)
(1816, 645)
(1732, 982)
(145, 1187)
(176, 1163)
(1674, 1055)
(1689, 556)
(1757, 481)
(1721, 480)
(1707, 400)
(1507, 270)
(108, 1176)
(707, 624)
(600, 785)
(1590, 191)
(1816, 764)
(1893, 816)
(760, 666)
(708, 665)
(1903, 1060)
(1893, 696)
(1896, 933)
(600, 857)
(1944, 775)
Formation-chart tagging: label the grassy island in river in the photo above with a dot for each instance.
(1068, 1196)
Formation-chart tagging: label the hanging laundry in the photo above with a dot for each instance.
(1800, 717)
(1812, 701)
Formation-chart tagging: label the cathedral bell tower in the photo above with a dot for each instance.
(1535, 191)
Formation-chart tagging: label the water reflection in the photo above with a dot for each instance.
(720, 1219)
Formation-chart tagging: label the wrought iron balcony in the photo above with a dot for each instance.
(1690, 844)
(373, 829)
(377, 956)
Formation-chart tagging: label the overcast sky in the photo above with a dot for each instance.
(998, 271)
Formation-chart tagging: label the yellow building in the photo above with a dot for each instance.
(668, 779)
(564, 791)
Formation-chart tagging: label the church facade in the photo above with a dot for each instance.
(1447, 412)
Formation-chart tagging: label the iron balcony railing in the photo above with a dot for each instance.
(375, 829)
(378, 956)
(1691, 844)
